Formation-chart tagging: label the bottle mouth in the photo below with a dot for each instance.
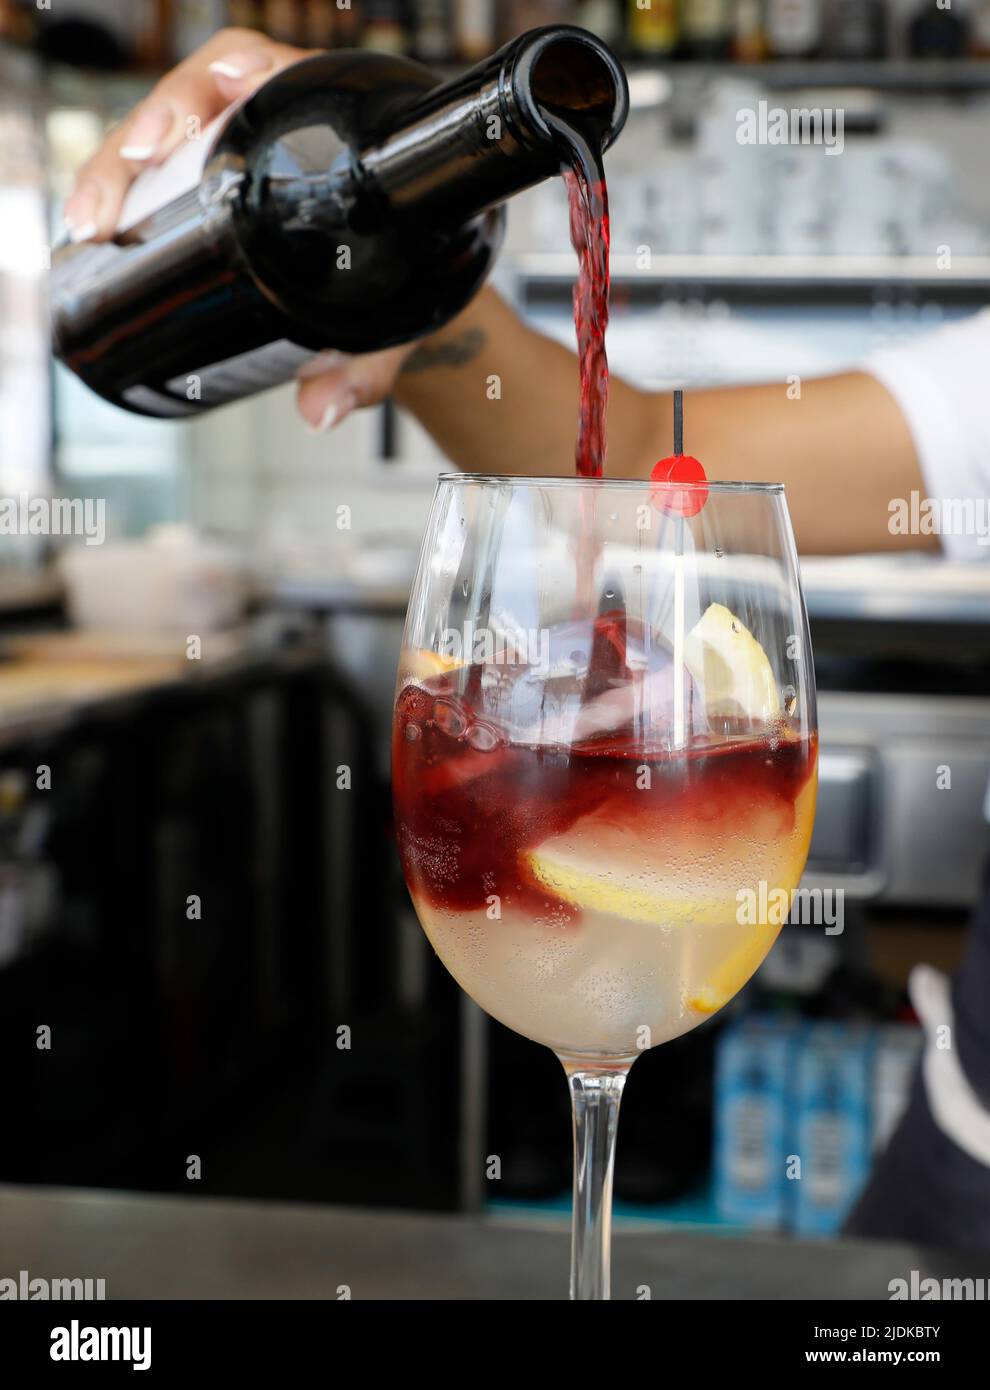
(569, 72)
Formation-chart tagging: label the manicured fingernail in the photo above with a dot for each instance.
(238, 65)
(149, 129)
(326, 361)
(82, 211)
(334, 412)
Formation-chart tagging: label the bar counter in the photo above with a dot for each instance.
(153, 1247)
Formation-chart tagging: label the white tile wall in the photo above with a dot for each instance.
(262, 479)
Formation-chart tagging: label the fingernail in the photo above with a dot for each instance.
(238, 65)
(83, 232)
(150, 127)
(328, 360)
(82, 212)
(334, 412)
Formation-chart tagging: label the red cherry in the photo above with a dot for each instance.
(679, 468)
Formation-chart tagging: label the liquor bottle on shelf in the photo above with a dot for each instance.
(602, 18)
(936, 33)
(749, 36)
(384, 27)
(857, 30)
(16, 21)
(193, 22)
(706, 29)
(794, 28)
(253, 249)
(245, 14)
(153, 40)
(347, 23)
(102, 38)
(979, 45)
(653, 29)
(432, 33)
(475, 27)
(319, 30)
(284, 21)
(516, 16)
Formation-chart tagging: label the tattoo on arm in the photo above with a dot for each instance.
(454, 353)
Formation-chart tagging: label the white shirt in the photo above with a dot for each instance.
(941, 383)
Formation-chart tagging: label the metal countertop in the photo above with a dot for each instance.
(152, 1247)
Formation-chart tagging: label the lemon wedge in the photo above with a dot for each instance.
(598, 866)
(726, 982)
(731, 668)
(419, 664)
(563, 871)
(601, 891)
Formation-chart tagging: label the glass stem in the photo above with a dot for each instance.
(595, 1097)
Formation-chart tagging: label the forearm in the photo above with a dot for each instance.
(843, 451)
(500, 398)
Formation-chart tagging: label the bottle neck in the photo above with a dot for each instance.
(471, 143)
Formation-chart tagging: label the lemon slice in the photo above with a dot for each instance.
(731, 668)
(726, 982)
(418, 664)
(562, 869)
(599, 867)
(584, 887)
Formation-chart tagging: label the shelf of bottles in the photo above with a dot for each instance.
(883, 42)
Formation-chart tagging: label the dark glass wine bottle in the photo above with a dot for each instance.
(352, 202)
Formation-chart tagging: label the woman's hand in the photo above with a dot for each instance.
(228, 67)
(233, 63)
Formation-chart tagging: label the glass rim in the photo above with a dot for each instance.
(572, 480)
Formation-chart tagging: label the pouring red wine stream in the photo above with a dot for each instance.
(590, 235)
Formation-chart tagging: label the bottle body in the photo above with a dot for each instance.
(278, 249)
(352, 202)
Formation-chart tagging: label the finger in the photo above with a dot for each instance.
(146, 131)
(240, 71)
(230, 66)
(324, 400)
(334, 384)
(82, 210)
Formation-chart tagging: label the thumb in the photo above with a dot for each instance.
(334, 384)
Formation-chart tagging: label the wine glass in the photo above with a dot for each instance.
(604, 768)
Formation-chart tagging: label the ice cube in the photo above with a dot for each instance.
(600, 676)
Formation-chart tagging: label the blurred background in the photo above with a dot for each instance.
(207, 892)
